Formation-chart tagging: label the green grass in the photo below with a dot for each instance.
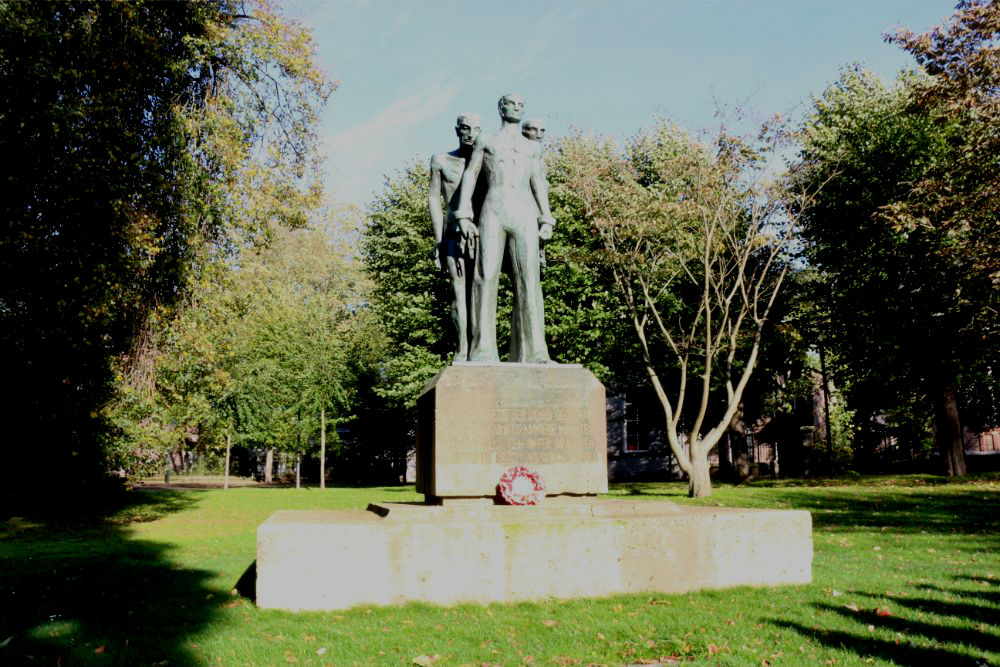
(151, 581)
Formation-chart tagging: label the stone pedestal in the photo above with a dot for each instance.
(477, 420)
(564, 548)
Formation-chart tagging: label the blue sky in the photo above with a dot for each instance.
(406, 69)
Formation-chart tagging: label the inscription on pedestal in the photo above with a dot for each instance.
(477, 420)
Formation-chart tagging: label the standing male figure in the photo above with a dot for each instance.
(451, 249)
(515, 215)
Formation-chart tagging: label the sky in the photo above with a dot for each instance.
(407, 69)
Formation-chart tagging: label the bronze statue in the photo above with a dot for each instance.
(515, 215)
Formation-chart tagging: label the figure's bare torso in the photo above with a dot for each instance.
(508, 160)
(451, 167)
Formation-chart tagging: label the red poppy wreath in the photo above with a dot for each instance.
(522, 486)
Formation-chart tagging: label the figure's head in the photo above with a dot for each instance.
(467, 127)
(511, 107)
(533, 128)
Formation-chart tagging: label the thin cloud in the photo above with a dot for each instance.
(357, 156)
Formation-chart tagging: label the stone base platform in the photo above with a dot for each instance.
(480, 552)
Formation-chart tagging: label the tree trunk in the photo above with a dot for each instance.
(949, 430)
(177, 459)
(269, 466)
(826, 411)
(738, 465)
(229, 448)
(298, 470)
(699, 480)
(322, 448)
(726, 457)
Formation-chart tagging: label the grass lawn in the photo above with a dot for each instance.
(906, 572)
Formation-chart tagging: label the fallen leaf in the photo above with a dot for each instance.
(565, 661)
(549, 623)
(425, 660)
(836, 593)
(600, 637)
(99, 649)
(765, 663)
(308, 638)
(6, 641)
(650, 643)
(290, 658)
(883, 611)
(852, 607)
(231, 604)
(713, 649)
(321, 651)
(871, 628)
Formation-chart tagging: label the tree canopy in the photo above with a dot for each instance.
(147, 140)
(908, 319)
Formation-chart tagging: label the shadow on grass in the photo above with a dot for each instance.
(864, 644)
(944, 511)
(76, 588)
(947, 632)
(946, 508)
(246, 586)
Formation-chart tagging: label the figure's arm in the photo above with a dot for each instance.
(540, 189)
(434, 206)
(464, 212)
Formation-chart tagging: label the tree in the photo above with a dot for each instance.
(292, 371)
(695, 240)
(150, 139)
(958, 199)
(908, 318)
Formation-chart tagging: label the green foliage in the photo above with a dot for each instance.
(842, 429)
(150, 139)
(410, 299)
(293, 343)
(903, 317)
(256, 353)
(957, 200)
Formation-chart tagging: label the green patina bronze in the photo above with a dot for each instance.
(514, 217)
(450, 249)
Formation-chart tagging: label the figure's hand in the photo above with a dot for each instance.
(545, 231)
(469, 230)
(437, 256)
(470, 237)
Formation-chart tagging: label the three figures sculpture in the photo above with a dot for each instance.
(498, 203)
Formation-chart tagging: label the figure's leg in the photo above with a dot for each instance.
(459, 298)
(514, 355)
(528, 289)
(484, 291)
